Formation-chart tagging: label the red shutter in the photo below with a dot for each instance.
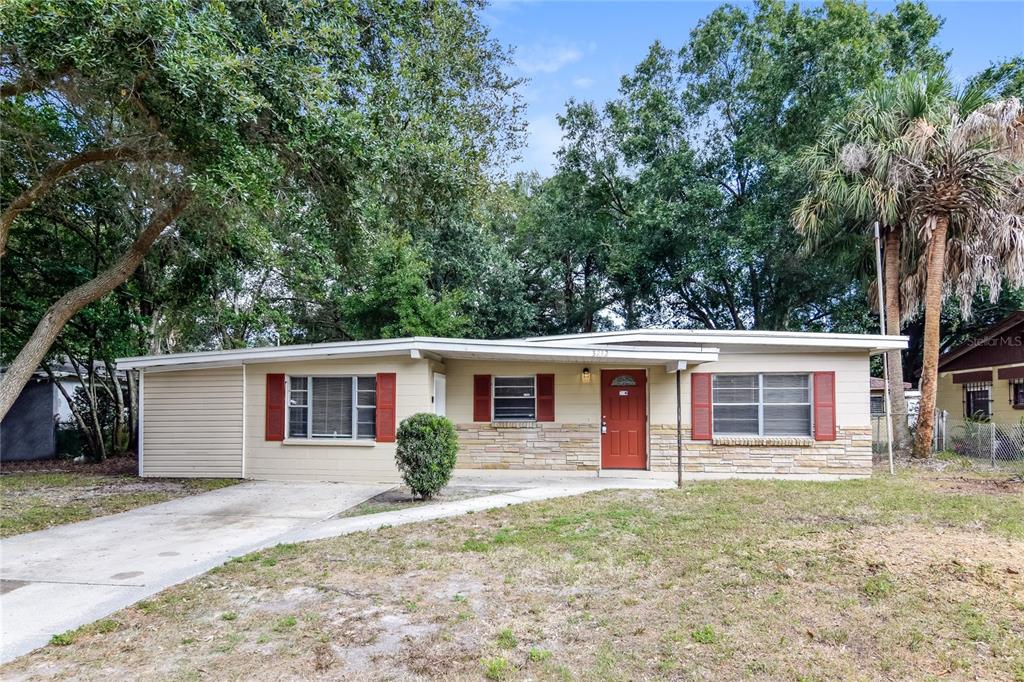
(275, 407)
(386, 407)
(545, 397)
(481, 397)
(700, 406)
(824, 406)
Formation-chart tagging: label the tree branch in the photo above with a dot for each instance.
(46, 332)
(55, 172)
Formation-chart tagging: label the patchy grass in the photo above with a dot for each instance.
(34, 501)
(920, 576)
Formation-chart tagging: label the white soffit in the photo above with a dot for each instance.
(734, 339)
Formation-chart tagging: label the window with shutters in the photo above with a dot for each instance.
(332, 407)
(761, 404)
(515, 399)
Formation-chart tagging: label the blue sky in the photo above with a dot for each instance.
(580, 49)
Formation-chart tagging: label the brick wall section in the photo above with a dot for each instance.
(849, 454)
(529, 445)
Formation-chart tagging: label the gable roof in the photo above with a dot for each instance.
(647, 347)
(1004, 326)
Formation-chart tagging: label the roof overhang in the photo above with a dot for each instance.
(677, 357)
(734, 340)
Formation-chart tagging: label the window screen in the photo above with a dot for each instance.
(332, 407)
(735, 400)
(515, 399)
(298, 407)
(761, 404)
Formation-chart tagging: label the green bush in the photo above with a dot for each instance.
(427, 446)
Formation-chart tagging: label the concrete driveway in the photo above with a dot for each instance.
(58, 579)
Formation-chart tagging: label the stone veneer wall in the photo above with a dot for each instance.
(848, 455)
(529, 445)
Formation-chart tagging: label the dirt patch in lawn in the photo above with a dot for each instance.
(402, 497)
(34, 501)
(986, 486)
(878, 579)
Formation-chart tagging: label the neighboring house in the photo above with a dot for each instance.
(913, 398)
(748, 403)
(984, 378)
(29, 429)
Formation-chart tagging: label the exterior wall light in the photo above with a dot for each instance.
(586, 375)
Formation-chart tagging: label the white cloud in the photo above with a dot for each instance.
(544, 137)
(546, 58)
(582, 82)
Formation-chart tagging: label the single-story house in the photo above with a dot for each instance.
(984, 377)
(735, 403)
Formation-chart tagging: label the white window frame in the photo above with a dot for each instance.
(760, 404)
(309, 406)
(494, 397)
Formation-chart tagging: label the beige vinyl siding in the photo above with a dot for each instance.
(192, 423)
(330, 460)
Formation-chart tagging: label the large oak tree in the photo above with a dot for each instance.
(209, 118)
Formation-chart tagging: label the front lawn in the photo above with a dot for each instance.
(917, 577)
(38, 500)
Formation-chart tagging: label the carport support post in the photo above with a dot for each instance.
(679, 430)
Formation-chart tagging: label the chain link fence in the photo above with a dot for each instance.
(984, 440)
(990, 441)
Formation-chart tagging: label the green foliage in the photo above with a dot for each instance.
(704, 635)
(878, 587)
(308, 132)
(671, 203)
(426, 452)
(64, 638)
(396, 301)
(496, 668)
(507, 639)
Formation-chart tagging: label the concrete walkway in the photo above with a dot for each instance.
(546, 490)
(59, 579)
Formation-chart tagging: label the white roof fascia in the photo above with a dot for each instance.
(418, 348)
(874, 342)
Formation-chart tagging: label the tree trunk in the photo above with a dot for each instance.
(117, 439)
(932, 315)
(901, 430)
(133, 414)
(83, 429)
(20, 371)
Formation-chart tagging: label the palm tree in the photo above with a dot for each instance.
(852, 186)
(963, 173)
(943, 174)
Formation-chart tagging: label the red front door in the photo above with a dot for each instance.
(623, 419)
